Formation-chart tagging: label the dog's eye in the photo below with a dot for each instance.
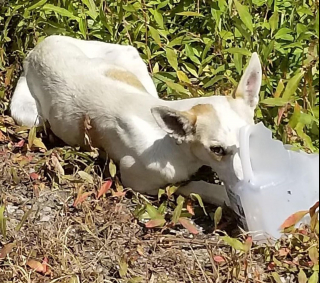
(218, 150)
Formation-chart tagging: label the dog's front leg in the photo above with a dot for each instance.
(210, 193)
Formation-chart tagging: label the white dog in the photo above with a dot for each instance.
(155, 142)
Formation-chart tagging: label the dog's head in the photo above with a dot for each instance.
(212, 129)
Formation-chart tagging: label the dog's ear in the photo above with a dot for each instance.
(250, 83)
(179, 125)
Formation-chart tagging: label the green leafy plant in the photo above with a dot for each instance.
(192, 48)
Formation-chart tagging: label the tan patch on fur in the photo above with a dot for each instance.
(126, 77)
(199, 110)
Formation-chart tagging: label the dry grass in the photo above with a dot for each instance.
(102, 241)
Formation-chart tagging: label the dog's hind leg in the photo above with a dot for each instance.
(23, 107)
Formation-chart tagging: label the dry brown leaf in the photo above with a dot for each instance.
(6, 250)
(104, 188)
(219, 259)
(34, 176)
(190, 206)
(37, 266)
(155, 223)
(57, 166)
(188, 225)
(313, 209)
(294, 219)
(81, 197)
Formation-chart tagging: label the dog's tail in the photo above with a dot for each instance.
(23, 106)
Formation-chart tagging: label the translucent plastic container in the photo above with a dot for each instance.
(277, 183)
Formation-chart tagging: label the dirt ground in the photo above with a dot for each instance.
(50, 238)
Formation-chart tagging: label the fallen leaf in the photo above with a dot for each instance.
(37, 142)
(86, 177)
(34, 176)
(188, 225)
(294, 219)
(248, 244)
(32, 136)
(19, 144)
(284, 252)
(219, 259)
(190, 206)
(155, 223)
(271, 266)
(36, 265)
(313, 209)
(123, 267)
(302, 277)
(104, 188)
(45, 264)
(6, 250)
(119, 194)
(81, 197)
(57, 166)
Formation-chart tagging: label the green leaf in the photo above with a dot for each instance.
(282, 32)
(302, 277)
(155, 35)
(314, 255)
(172, 58)
(158, 18)
(199, 199)
(177, 87)
(314, 278)
(32, 136)
(316, 25)
(214, 80)
(92, 8)
(234, 243)
(217, 217)
(35, 4)
(244, 14)
(279, 89)
(183, 77)
(3, 222)
(275, 101)
(177, 212)
(153, 212)
(190, 54)
(112, 168)
(237, 50)
(292, 85)
(190, 14)
(191, 69)
(274, 21)
(276, 277)
(61, 11)
(86, 177)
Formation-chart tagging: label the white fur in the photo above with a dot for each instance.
(68, 82)
(23, 107)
